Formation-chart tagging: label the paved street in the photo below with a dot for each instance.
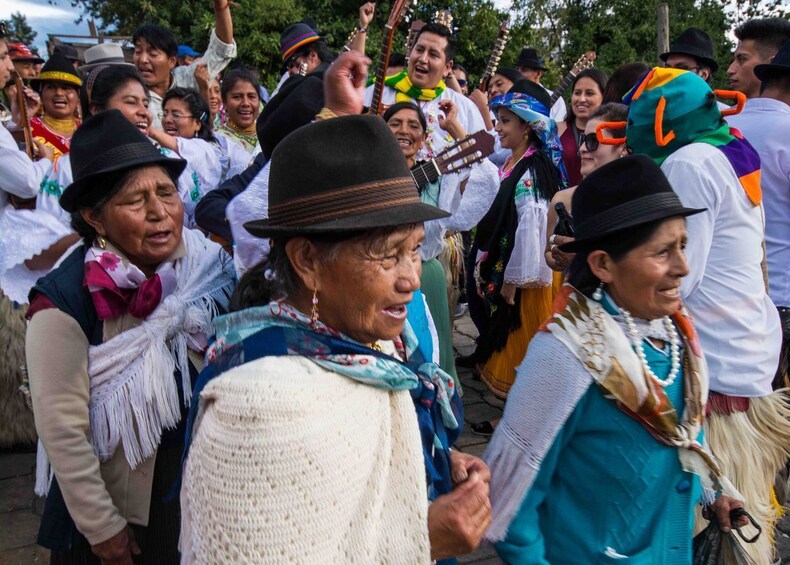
(20, 510)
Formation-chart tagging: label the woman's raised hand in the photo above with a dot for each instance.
(117, 550)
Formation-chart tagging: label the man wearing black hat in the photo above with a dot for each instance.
(532, 66)
(765, 122)
(69, 52)
(692, 51)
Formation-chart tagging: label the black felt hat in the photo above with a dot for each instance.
(530, 88)
(625, 193)
(67, 51)
(513, 75)
(104, 147)
(340, 175)
(780, 63)
(300, 98)
(529, 58)
(695, 42)
(57, 69)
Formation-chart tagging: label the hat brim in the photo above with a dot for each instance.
(708, 62)
(91, 183)
(88, 67)
(761, 71)
(404, 214)
(633, 221)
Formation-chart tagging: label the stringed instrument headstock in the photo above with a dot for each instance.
(584, 62)
(445, 18)
(496, 54)
(466, 152)
(414, 29)
(397, 13)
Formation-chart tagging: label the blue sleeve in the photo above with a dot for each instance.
(524, 543)
(210, 211)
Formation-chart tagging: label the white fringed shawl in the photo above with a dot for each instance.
(134, 396)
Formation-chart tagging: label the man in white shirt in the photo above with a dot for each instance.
(673, 119)
(431, 59)
(532, 67)
(765, 122)
(156, 48)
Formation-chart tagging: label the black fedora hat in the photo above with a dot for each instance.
(57, 69)
(625, 193)
(340, 175)
(780, 63)
(529, 58)
(67, 51)
(295, 36)
(300, 98)
(103, 148)
(695, 42)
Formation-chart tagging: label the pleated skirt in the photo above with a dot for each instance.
(499, 372)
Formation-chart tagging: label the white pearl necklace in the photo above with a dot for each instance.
(674, 348)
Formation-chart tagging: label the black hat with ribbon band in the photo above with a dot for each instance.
(530, 59)
(57, 69)
(340, 175)
(695, 43)
(628, 192)
(105, 147)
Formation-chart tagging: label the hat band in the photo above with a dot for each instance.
(298, 42)
(118, 156)
(344, 202)
(627, 214)
(111, 59)
(60, 76)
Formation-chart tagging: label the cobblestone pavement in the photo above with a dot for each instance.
(20, 510)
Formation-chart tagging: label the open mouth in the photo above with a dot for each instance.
(60, 103)
(159, 237)
(404, 141)
(142, 126)
(673, 292)
(397, 312)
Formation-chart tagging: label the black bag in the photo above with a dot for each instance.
(714, 547)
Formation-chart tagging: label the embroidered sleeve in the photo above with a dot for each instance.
(468, 209)
(218, 55)
(527, 267)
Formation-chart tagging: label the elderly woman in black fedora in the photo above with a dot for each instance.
(116, 336)
(600, 455)
(322, 432)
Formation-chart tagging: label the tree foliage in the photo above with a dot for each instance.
(619, 30)
(19, 30)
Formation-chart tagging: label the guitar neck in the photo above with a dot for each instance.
(381, 70)
(424, 173)
(563, 86)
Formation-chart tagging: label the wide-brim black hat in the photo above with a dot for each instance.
(628, 192)
(529, 58)
(696, 43)
(300, 98)
(57, 69)
(340, 175)
(105, 146)
(780, 63)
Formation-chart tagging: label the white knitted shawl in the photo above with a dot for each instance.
(134, 396)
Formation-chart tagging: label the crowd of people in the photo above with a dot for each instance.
(228, 315)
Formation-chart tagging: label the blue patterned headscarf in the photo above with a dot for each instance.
(535, 113)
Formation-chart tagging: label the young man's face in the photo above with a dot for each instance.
(6, 65)
(153, 64)
(685, 62)
(428, 61)
(741, 71)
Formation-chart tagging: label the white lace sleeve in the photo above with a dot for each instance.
(526, 267)
(468, 209)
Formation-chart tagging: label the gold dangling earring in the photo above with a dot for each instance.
(102, 242)
(314, 309)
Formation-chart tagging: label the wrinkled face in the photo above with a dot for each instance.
(603, 154)
(646, 281)
(154, 65)
(428, 61)
(6, 64)
(214, 96)
(25, 69)
(406, 127)
(741, 71)
(586, 98)
(241, 104)
(144, 219)
(59, 99)
(687, 63)
(498, 86)
(383, 277)
(132, 101)
(177, 119)
(512, 130)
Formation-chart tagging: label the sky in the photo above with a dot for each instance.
(45, 18)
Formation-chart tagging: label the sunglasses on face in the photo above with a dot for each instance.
(589, 140)
(462, 83)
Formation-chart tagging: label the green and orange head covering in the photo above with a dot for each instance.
(671, 108)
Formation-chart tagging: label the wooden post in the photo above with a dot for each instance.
(662, 27)
(92, 28)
